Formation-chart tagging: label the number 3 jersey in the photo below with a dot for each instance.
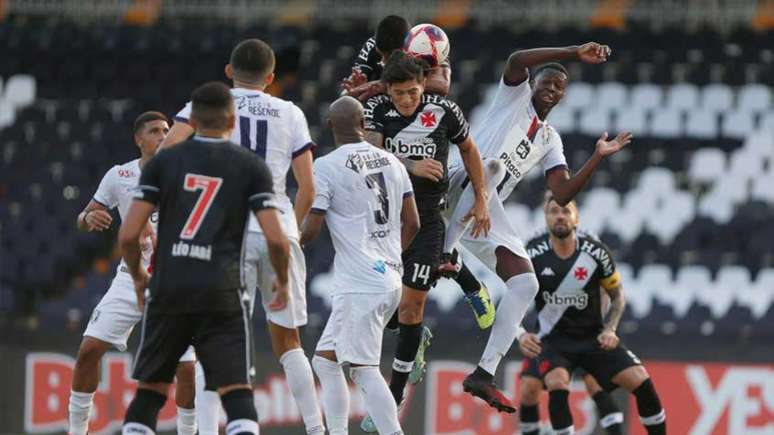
(276, 131)
(360, 189)
(425, 134)
(204, 189)
(569, 301)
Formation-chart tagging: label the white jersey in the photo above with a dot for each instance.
(276, 130)
(116, 190)
(360, 189)
(513, 133)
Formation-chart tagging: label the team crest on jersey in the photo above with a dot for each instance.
(523, 149)
(581, 273)
(428, 119)
(354, 162)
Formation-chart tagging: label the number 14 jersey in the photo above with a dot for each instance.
(274, 129)
(360, 190)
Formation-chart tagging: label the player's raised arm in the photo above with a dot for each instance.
(181, 129)
(519, 62)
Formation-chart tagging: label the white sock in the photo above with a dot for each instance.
(521, 290)
(243, 426)
(566, 431)
(80, 411)
(334, 394)
(377, 398)
(207, 406)
(300, 379)
(493, 174)
(186, 421)
(136, 429)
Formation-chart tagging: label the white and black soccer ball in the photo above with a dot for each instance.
(429, 43)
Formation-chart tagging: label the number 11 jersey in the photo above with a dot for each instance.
(276, 131)
(360, 190)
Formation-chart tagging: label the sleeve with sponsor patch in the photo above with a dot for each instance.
(367, 59)
(302, 140)
(554, 157)
(106, 192)
(184, 114)
(149, 187)
(610, 276)
(260, 190)
(374, 113)
(459, 129)
(323, 194)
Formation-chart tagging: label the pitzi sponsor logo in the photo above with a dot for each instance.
(424, 147)
(577, 300)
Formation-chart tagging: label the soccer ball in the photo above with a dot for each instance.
(429, 43)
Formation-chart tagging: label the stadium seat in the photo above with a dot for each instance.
(767, 122)
(594, 121)
(702, 124)
(562, 117)
(759, 296)
(754, 98)
(633, 119)
(762, 187)
(730, 280)
(689, 283)
(646, 96)
(716, 98)
(656, 180)
(745, 164)
(684, 96)
(20, 90)
(580, 95)
(7, 114)
(667, 123)
(638, 297)
(737, 124)
(655, 279)
(611, 95)
(706, 164)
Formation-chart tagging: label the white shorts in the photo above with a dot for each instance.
(356, 326)
(116, 314)
(259, 273)
(502, 232)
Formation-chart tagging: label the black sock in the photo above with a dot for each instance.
(467, 281)
(393, 324)
(145, 408)
(652, 414)
(529, 420)
(483, 374)
(409, 337)
(240, 411)
(610, 417)
(559, 409)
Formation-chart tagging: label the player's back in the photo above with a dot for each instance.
(204, 188)
(363, 189)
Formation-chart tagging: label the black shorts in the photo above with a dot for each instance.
(530, 368)
(586, 354)
(421, 259)
(222, 341)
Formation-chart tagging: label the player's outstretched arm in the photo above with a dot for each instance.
(608, 339)
(312, 227)
(95, 217)
(304, 175)
(565, 188)
(409, 219)
(129, 239)
(179, 132)
(519, 62)
(475, 169)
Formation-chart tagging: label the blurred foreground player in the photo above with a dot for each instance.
(204, 189)
(276, 130)
(116, 314)
(365, 196)
(572, 332)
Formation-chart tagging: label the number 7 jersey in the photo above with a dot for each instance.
(274, 129)
(360, 190)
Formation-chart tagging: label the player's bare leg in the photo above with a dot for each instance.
(610, 416)
(522, 286)
(85, 382)
(558, 384)
(529, 398)
(185, 391)
(286, 345)
(637, 381)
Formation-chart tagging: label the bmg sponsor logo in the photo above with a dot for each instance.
(578, 300)
(424, 147)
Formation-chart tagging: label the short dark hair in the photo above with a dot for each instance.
(549, 196)
(402, 67)
(252, 60)
(147, 117)
(552, 66)
(391, 33)
(211, 104)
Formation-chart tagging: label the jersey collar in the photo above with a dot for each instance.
(208, 139)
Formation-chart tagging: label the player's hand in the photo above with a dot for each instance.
(480, 215)
(356, 79)
(608, 147)
(529, 344)
(370, 89)
(592, 52)
(140, 279)
(98, 220)
(427, 168)
(281, 296)
(608, 340)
